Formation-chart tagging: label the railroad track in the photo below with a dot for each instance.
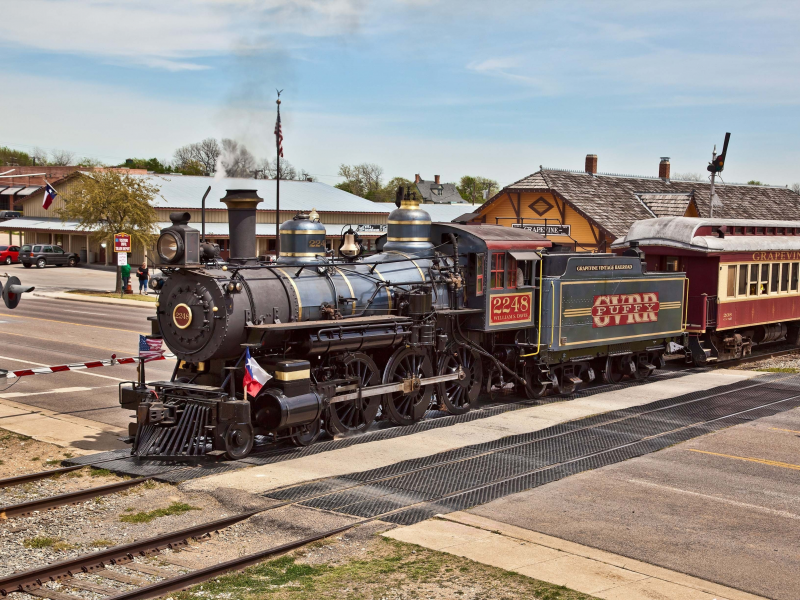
(539, 457)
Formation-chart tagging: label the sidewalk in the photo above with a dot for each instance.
(85, 298)
(582, 568)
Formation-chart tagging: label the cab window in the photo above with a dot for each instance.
(498, 270)
(512, 273)
(479, 273)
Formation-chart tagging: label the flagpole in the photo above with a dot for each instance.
(278, 134)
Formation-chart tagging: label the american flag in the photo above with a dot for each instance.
(279, 135)
(149, 348)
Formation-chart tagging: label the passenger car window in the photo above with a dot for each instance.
(753, 281)
(47, 249)
(37, 248)
(763, 288)
(795, 269)
(14, 248)
(776, 271)
(58, 250)
(731, 281)
(743, 280)
(785, 277)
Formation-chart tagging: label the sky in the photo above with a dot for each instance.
(450, 87)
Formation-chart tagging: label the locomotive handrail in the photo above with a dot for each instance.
(363, 327)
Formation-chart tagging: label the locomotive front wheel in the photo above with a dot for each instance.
(238, 441)
(457, 395)
(534, 389)
(356, 415)
(305, 436)
(402, 408)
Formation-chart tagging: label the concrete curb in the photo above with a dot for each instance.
(81, 298)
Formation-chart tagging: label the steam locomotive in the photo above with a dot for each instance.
(440, 313)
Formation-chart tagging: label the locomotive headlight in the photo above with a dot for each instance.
(169, 247)
(239, 286)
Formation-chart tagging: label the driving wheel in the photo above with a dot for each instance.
(455, 396)
(613, 372)
(238, 441)
(534, 389)
(405, 408)
(356, 415)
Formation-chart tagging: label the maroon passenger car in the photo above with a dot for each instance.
(742, 275)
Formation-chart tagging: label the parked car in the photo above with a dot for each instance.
(9, 254)
(10, 214)
(42, 255)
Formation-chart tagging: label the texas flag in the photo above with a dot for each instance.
(49, 195)
(254, 376)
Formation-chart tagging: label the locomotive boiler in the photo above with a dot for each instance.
(442, 312)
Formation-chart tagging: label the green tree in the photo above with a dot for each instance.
(362, 180)
(477, 190)
(9, 157)
(110, 202)
(755, 182)
(388, 192)
(192, 167)
(150, 164)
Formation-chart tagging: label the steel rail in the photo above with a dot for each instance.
(192, 578)
(26, 508)
(20, 479)
(36, 577)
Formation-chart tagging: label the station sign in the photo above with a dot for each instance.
(545, 230)
(122, 242)
(378, 229)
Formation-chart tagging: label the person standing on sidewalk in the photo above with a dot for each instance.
(143, 274)
(125, 271)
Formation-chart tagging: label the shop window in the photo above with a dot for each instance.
(512, 272)
(498, 270)
(785, 277)
(795, 269)
(731, 281)
(671, 264)
(743, 280)
(776, 272)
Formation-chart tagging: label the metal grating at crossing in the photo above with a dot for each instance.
(417, 489)
(121, 461)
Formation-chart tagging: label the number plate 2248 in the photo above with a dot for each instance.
(510, 308)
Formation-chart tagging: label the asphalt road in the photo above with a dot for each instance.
(47, 332)
(724, 507)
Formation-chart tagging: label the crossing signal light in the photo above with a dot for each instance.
(716, 165)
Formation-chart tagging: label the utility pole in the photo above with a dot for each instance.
(279, 148)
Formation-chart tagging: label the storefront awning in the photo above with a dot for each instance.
(10, 191)
(29, 190)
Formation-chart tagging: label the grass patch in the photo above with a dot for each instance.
(779, 370)
(35, 458)
(101, 543)
(176, 508)
(148, 298)
(1, 462)
(40, 542)
(68, 455)
(391, 569)
(53, 461)
(95, 472)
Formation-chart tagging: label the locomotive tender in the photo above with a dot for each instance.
(442, 312)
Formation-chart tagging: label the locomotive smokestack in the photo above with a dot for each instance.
(242, 224)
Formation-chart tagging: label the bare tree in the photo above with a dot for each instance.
(62, 158)
(208, 152)
(183, 156)
(288, 171)
(39, 156)
(362, 180)
(236, 159)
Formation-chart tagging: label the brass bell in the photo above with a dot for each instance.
(349, 247)
(313, 215)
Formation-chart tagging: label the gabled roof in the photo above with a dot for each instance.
(614, 203)
(439, 193)
(667, 205)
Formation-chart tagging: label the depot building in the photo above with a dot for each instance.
(588, 210)
(337, 210)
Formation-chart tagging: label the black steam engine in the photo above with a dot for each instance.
(440, 313)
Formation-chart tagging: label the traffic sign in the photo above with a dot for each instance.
(122, 242)
(122, 259)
